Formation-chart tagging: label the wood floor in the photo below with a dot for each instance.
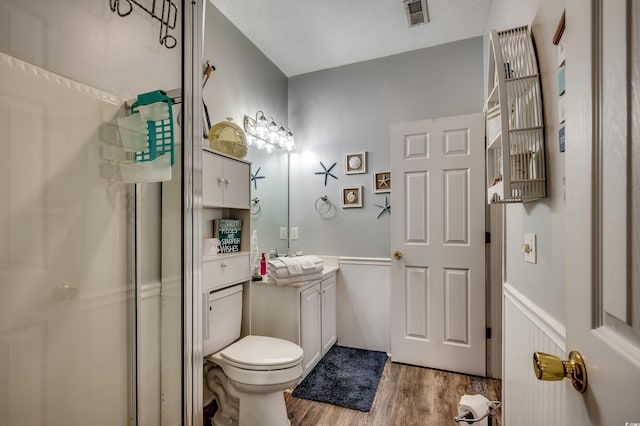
(406, 395)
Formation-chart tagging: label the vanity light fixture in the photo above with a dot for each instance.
(265, 134)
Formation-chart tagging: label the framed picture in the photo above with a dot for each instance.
(382, 181)
(355, 163)
(351, 196)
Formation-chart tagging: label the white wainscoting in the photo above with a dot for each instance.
(362, 312)
(526, 329)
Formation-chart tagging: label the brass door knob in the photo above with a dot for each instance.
(397, 255)
(551, 368)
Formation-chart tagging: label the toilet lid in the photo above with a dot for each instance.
(262, 353)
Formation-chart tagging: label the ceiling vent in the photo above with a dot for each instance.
(417, 12)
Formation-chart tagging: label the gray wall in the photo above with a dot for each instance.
(349, 109)
(543, 282)
(245, 80)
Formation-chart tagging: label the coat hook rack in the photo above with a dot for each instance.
(166, 13)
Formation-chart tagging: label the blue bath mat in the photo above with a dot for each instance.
(346, 377)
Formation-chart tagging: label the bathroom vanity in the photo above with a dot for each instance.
(303, 313)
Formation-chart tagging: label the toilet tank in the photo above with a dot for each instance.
(222, 318)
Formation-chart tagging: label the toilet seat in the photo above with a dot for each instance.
(262, 353)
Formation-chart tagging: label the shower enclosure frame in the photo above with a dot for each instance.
(193, 34)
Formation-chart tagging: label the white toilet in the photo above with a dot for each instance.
(247, 377)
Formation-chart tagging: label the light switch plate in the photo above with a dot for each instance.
(294, 232)
(529, 248)
(283, 232)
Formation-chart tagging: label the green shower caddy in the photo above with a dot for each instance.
(160, 136)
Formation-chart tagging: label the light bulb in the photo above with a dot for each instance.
(290, 144)
(273, 131)
(261, 125)
(282, 136)
(249, 140)
(269, 148)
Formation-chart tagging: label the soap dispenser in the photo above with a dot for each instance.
(263, 265)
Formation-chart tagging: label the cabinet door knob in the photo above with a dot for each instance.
(224, 265)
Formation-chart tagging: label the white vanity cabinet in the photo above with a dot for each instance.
(225, 181)
(311, 325)
(328, 303)
(305, 315)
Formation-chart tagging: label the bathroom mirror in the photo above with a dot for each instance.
(270, 198)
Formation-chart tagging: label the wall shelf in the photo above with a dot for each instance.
(514, 120)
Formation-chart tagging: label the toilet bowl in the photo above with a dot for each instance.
(248, 379)
(246, 376)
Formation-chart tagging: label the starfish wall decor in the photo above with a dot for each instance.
(326, 172)
(386, 207)
(254, 178)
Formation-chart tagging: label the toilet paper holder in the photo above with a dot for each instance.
(464, 417)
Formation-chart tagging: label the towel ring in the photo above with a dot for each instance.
(256, 208)
(324, 202)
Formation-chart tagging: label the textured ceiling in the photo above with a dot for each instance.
(302, 36)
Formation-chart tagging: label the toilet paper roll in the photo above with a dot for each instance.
(211, 247)
(477, 406)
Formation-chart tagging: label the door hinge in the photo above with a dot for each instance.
(487, 237)
(488, 333)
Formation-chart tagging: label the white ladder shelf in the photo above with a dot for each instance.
(515, 129)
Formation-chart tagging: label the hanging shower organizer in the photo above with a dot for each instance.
(163, 11)
(514, 117)
(148, 133)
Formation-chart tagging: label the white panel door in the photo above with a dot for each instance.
(603, 212)
(438, 283)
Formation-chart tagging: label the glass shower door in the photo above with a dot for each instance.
(83, 297)
(64, 277)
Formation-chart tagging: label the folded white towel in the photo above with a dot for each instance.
(296, 279)
(293, 265)
(276, 264)
(306, 262)
(284, 273)
(313, 258)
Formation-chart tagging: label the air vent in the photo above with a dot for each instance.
(417, 12)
